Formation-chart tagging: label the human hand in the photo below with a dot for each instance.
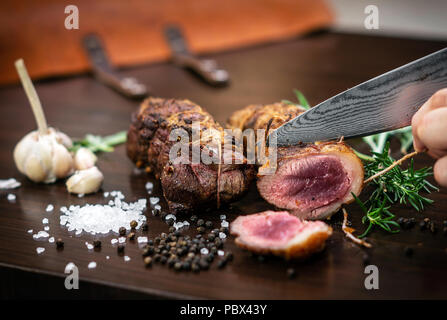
(429, 125)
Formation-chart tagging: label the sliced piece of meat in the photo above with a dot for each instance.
(186, 187)
(311, 180)
(280, 233)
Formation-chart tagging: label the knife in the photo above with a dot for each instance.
(206, 69)
(105, 73)
(381, 104)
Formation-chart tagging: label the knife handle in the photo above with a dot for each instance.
(206, 69)
(105, 73)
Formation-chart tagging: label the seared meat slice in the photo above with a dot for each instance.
(311, 180)
(280, 233)
(186, 187)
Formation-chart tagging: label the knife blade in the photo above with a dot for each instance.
(383, 103)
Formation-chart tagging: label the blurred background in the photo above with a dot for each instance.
(132, 30)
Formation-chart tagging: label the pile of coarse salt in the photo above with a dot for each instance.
(97, 218)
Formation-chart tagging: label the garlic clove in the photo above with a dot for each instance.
(35, 169)
(84, 159)
(62, 161)
(22, 149)
(85, 181)
(63, 139)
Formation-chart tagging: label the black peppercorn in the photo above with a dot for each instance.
(229, 256)
(365, 259)
(211, 237)
(422, 225)
(120, 248)
(145, 226)
(122, 231)
(195, 267)
(186, 265)
(203, 264)
(59, 243)
(200, 229)
(208, 224)
(163, 260)
(133, 224)
(131, 236)
(291, 273)
(222, 263)
(148, 251)
(200, 222)
(408, 251)
(148, 261)
(97, 244)
(178, 266)
(193, 218)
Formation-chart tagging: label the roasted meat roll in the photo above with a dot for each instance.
(186, 186)
(312, 181)
(280, 233)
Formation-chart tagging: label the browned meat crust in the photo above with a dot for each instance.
(186, 187)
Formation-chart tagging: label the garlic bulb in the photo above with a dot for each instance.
(85, 181)
(44, 158)
(84, 159)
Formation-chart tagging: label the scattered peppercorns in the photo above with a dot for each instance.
(122, 231)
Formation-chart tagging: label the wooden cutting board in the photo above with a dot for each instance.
(320, 66)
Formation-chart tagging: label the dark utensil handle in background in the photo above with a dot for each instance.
(128, 86)
(206, 69)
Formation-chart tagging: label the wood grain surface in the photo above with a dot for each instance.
(320, 66)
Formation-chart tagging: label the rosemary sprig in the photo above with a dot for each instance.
(100, 144)
(398, 185)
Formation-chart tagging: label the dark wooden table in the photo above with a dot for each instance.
(320, 65)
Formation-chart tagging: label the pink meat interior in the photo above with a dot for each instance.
(310, 182)
(274, 229)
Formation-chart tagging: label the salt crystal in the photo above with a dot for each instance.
(40, 250)
(223, 217)
(222, 235)
(106, 194)
(220, 252)
(122, 239)
(64, 209)
(204, 251)
(170, 216)
(107, 257)
(92, 265)
(113, 241)
(30, 231)
(89, 245)
(224, 224)
(78, 232)
(81, 195)
(49, 208)
(154, 200)
(40, 234)
(11, 197)
(47, 228)
(149, 186)
(45, 221)
(9, 184)
(51, 240)
(142, 239)
(126, 258)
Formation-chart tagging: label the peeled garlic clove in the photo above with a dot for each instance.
(85, 181)
(84, 159)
